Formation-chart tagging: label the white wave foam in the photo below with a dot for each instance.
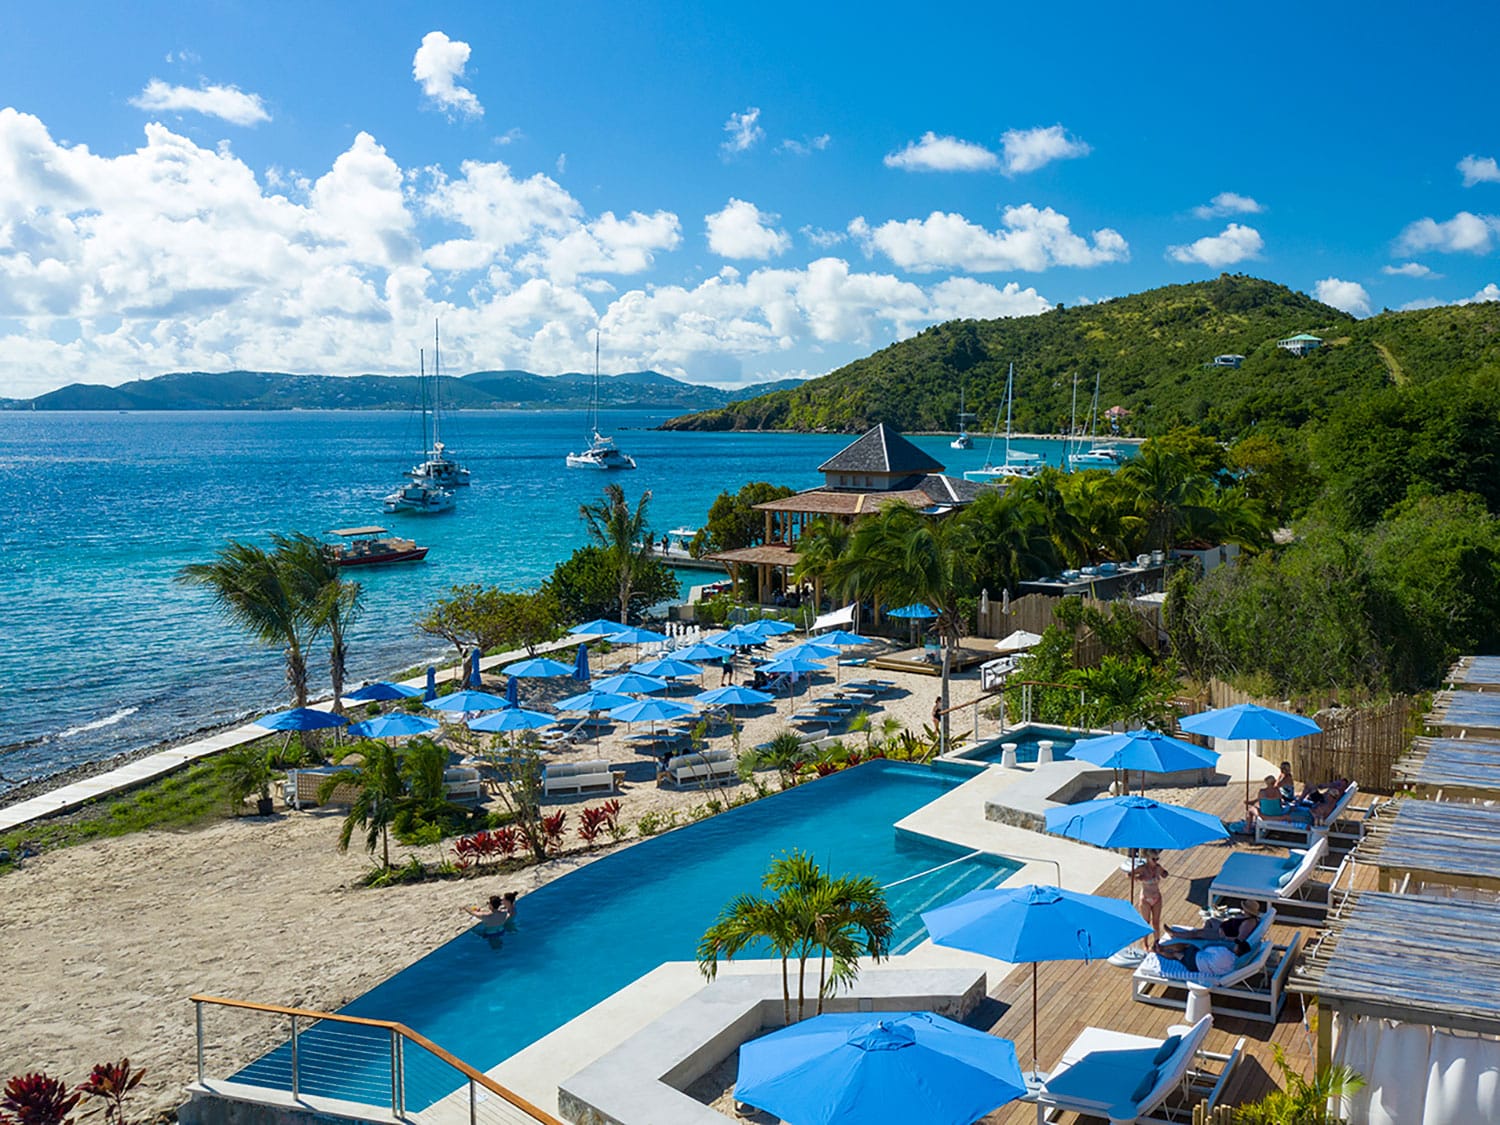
(99, 724)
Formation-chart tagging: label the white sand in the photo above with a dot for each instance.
(105, 942)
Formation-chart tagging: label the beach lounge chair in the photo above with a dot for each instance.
(1271, 880)
(1262, 928)
(560, 777)
(1135, 1078)
(1299, 831)
(707, 767)
(1253, 989)
(463, 785)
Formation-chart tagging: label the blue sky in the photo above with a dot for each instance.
(733, 194)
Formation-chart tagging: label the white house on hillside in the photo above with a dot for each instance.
(1300, 344)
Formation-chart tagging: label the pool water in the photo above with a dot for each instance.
(1027, 738)
(584, 936)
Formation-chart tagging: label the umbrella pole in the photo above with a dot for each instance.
(1035, 1065)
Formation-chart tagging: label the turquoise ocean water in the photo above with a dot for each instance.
(101, 651)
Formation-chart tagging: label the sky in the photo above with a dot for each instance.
(729, 194)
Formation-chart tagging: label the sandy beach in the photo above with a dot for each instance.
(106, 941)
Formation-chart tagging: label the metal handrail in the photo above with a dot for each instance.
(400, 1035)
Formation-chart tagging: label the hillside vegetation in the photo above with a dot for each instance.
(1149, 350)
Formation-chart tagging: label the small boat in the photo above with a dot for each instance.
(1097, 456)
(372, 546)
(439, 468)
(419, 497)
(602, 452)
(963, 440)
(1017, 464)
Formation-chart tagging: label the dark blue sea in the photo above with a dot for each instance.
(102, 651)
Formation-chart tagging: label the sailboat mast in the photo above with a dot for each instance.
(594, 398)
(422, 396)
(1010, 379)
(437, 389)
(1094, 415)
(1073, 425)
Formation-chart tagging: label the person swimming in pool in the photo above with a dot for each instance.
(500, 916)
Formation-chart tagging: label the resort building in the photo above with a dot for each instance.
(878, 469)
(1300, 344)
(1230, 360)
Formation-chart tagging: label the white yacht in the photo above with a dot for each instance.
(419, 497)
(1017, 464)
(1097, 456)
(963, 440)
(602, 452)
(438, 467)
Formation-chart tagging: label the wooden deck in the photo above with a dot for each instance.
(1072, 996)
(915, 660)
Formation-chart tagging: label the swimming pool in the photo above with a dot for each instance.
(1026, 738)
(589, 933)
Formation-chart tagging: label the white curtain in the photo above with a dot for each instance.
(1418, 1075)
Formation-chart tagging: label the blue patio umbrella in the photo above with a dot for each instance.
(810, 649)
(594, 700)
(581, 671)
(398, 725)
(841, 638)
(738, 637)
(382, 692)
(301, 718)
(651, 711)
(1134, 822)
(768, 627)
(512, 692)
(1149, 751)
(475, 680)
(1035, 923)
(510, 720)
(630, 683)
(430, 693)
(734, 695)
(668, 668)
(916, 612)
(701, 651)
(539, 667)
(599, 627)
(633, 635)
(792, 666)
(1251, 722)
(467, 700)
(841, 1068)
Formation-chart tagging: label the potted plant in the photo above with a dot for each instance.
(246, 770)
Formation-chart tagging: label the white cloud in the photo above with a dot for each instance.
(1031, 239)
(1026, 150)
(822, 238)
(437, 66)
(1409, 269)
(942, 154)
(1227, 203)
(1464, 233)
(1479, 170)
(562, 163)
(744, 132)
(1233, 244)
(1347, 295)
(1490, 292)
(228, 103)
(743, 230)
(806, 146)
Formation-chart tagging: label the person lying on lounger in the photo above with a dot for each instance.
(1219, 931)
(1208, 960)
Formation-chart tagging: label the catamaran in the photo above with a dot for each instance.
(1017, 464)
(602, 452)
(1097, 456)
(439, 469)
(963, 440)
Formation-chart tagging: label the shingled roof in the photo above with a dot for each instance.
(881, 450)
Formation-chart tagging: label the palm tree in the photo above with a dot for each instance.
(1105, 514)
(380, 792)
(821, 546)
(334, 604)
(623, 533)
(842, 919)
(899, 555)
(1169, 493)
(1012, 539)
(254, 589)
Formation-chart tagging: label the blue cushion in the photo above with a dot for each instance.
(1285, 877)
(1167, 1050)
(1147, 1084)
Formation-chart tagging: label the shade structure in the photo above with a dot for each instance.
(510, 720)
(512, 692)
(768, 627)
(1134, 822)
(1149, 751)
(1019, 641)
(539, 667)
(469, 701)
(667, 668)
(382, 692)
(916, 611)
(651, 711)
(794, 664)
(847, 1067)
(430, 691)
(475, 679)
(301, 718)
(811, 650)
(840, 638)
(1252, 722)
(738, 637)
(581, 671)
(599, 627)
(734, 695)
(630, 683)
(1036, 923)
(633, 635)
(702, 652)
(398, 725)
(594, 700)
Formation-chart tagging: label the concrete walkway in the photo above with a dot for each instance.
(153, 766)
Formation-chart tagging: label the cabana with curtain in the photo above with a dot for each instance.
(1405, 994)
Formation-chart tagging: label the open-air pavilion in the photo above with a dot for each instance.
(1464, 712)
(1463, 769)
(1433, 847)
(1402, 987)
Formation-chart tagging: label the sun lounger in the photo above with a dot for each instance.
(707, 767)
(1273, 881)
(463, 785)
(1134, 1078)
(1291, 830)
(1254, 988)
(560, 777)
(1262, 928)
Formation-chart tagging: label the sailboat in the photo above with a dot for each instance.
(1097, 456)
(963, 440)
(438, 469)
(602, 452)
(1017, 464)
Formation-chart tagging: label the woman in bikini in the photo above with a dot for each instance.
(1149, 875)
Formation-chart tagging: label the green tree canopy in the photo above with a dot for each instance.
(733, 521)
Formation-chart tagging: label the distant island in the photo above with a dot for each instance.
(480, 390)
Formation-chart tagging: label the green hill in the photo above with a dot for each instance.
(1150, 351)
